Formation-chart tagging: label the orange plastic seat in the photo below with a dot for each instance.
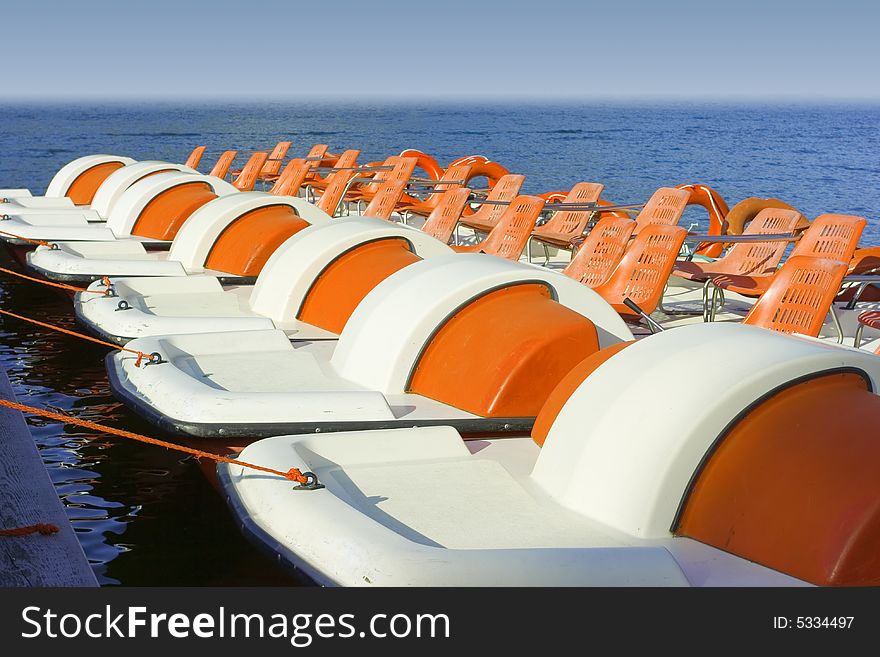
(401, 169)
(317, 153)
(440, 224)
(644, 269)
(799, 297)
(832, 236)
(347, 159)
(509, 237)
(865, 260)
(273, 162)
(386, 199)
(665, 207)
(567, 224)
(292, 178)
(314, 157)
(488, 214)
(870, 318)
(276, 158)
(601, 251)
(247, 177)
(747, 258)
(221, 167)
(195, 157)
(337, 183)
(453, 178)
(364, 190)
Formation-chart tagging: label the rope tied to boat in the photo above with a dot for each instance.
(28, 239)
(107, 292)
(154, 358)
(44, 528)
(306, 480)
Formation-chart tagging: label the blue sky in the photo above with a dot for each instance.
(442, 49)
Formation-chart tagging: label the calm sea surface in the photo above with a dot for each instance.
(146, 516)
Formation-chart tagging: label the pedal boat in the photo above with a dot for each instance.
(58, 217)
(335, 263)
(72, 187)
(764, 474)
(467, 340)
(229, 236)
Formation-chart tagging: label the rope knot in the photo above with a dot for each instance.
(294, 474)
(306, 480)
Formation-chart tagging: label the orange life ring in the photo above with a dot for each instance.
(425, 162)
(482, 167)
(712, 201)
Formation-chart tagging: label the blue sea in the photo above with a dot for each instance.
(146, 516)
(820, 158)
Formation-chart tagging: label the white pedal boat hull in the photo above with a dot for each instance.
(202, 304)
(49, 218)
(78, 178)
(127, 254)
(259, 383)
(596, 506)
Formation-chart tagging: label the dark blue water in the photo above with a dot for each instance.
(147, 516)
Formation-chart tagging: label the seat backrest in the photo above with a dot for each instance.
(221, 168)
(512, 232)
(505, 189)
(442, 220)
(385, 199)
(292, 178)
(195, 157)
(454, 177)
(573, 222)
(337, 184)
(665, 206)
(799, 297)
(272, 165)
(248, 177)
(345, 160)
(379, 177)
(759, 258)
(317, 151)
(403, 170)
(644, 269)
(601, 251)
(831, 236)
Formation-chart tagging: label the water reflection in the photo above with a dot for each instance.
(144, 515)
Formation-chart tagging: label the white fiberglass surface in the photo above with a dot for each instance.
(231, 303)
(287, 370)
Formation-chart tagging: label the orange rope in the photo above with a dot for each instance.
(140, 354)
(27, 239)
(294, 474)
(42, 528)
(63, 286)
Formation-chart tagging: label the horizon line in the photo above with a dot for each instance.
(470, 100)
